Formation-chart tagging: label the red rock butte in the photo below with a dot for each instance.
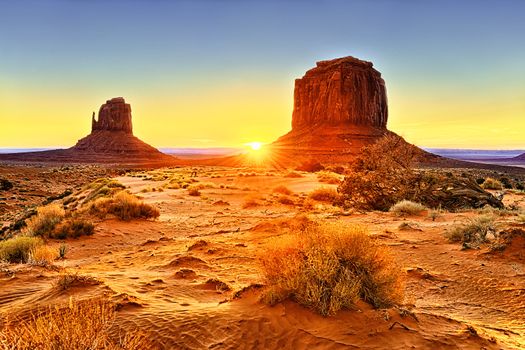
(111, 141)
(339, 107)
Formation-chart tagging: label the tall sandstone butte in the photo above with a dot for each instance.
(339, 107)
(344, 91)
(114, 115)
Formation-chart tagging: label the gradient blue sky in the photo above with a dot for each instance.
(220, 73)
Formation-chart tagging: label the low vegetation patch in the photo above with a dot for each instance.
(18, 249)
(329, 177)
(474, 231)
(405, 207)
(124, 206)
(45, 221)
(194, 192)
(42, 255)
(324, 194)
(282, 190)
(492, 184)
(81, 325)
(328, 267)
(73, 228)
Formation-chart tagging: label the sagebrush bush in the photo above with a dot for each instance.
(18, 249)
(194, 192)
(329, 177)
(124, 206)
(73, 228)
(474, 231)
(81, 325)
(282, 190)
(324, 194)
(492, 184)
(328, 267)
(103, 187)
(45, 221)
(405, 207)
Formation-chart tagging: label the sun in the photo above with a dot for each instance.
(255, 146)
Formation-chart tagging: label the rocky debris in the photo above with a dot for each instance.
(114, 115)
(5, 185)
(344, 91)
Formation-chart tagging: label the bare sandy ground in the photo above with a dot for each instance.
(190, 279)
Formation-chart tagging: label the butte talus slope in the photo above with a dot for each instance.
(339, 107)
(111, 141)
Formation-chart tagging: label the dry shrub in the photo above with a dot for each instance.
(18, 249)
(194, 192)
(329, 177)
(405, 207)
(44, 222)
(203, 185)
(285, 200)
(251, 202)
(310, 166)
(42, 255)
(68, 279)
(102, 188)
(282, 190)
(383, 174)
(124, 206)
(73, 228)
(328, 267)
(81, 325)
(492, 184)
(324, 194)
(474, 231)
(293, 174)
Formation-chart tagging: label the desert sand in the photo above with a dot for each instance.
(192, 280)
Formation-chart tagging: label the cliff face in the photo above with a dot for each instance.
(114, 115)
(344, 91)
(339, 107)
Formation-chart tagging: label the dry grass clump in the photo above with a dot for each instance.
(285, 200)
(71, 279)
(44, 222)
(492, 184)
(251, 203)
(82, 325)
(282, 190)
(124, 206)
(324, 194)
(73, 228)
(192, 191)
(329, 267)
(18, 249)
(405, 207)
(474, 231)
(293, 174)
(329, 177)
(42, 255)
(103, 187)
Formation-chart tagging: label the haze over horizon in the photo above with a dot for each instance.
(221, 73)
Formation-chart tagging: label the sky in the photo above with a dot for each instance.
(220, 73)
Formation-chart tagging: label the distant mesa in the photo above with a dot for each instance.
(111, 141)
(339, 107)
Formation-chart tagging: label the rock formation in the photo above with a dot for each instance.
(339, 107)
(111, 141)
(344, 91)
(114, 115)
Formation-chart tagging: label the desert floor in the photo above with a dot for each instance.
(191, 279)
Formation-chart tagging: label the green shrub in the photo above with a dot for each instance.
(18, 249)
